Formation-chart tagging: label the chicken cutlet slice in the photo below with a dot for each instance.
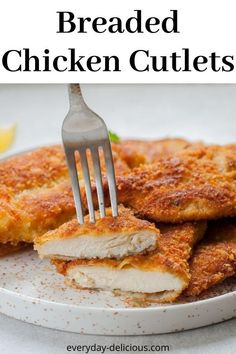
(8, 248)
(109, 237)
(195, 184)
(164, 271)
(214, 259)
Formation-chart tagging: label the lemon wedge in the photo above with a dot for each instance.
(7, 136)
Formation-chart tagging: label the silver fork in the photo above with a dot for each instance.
(84, 130)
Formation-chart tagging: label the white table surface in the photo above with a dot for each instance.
(203, 112)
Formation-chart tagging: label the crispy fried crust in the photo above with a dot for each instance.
(215, 257)
(35, 212)
(42, 167)
(8, 248)
(195, 184)
(23, 180)
(173, 251)
(36, 196)
(138, 152)
(126, 222)
(35, 193)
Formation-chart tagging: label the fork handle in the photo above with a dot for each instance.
(76, 97)
(75, 89)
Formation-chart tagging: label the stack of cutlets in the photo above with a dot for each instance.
(164, 241)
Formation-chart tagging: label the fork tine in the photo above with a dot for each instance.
(87, 182)
(98, 180)
(111, 177)
(70, 157)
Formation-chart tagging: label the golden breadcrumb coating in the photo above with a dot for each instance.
(214, 258)
(173, 250)
(138, 152)
(43, 167)
(195, 184)
(126, 222)
(8, 248)
(35, 193)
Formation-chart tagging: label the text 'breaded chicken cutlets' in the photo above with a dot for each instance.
(109, 237)
(164, 271)
(214, 258)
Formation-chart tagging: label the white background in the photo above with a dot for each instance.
(205, 26)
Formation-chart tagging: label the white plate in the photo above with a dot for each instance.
(30, 289)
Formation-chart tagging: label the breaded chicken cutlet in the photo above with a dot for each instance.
(35, 190)
(214, 259)
(35, 193)
(164, 181)
(164, 271)
(109, 237)
(140, 152)
(195, 184)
